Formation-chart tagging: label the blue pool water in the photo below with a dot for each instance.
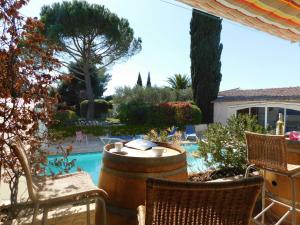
(91, 162)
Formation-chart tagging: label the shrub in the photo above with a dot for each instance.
(167, 114)
(196, 114)
(177, 113)
(63, 131)
(110, 104)
(151, 95)
(142, 105)
(224, 147)
(184, 94)
(64, 106)
(65, 116)
(187, 113)
(134, 113)
(162, 114)
(101, 108)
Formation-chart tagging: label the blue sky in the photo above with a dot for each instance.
(250, 58)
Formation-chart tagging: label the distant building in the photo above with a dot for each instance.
(266, 104)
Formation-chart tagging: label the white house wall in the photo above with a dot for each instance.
(223, 110)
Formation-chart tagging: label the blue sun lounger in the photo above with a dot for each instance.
(190, 133)
(172, 133)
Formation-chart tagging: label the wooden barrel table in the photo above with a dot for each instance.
(123, 176)
(279, 186)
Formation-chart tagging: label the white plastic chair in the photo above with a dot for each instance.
(81, 137)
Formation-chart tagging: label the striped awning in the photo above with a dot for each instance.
(277, 17)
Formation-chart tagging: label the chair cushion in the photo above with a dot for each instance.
(141, 215)
(292, 168)
(67, 188)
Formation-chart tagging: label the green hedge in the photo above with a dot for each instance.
(101, 108)
(133, 113)
(166, 114)
(162, 114)
(188, 115)
(110, 104)
(63, 106)
(151, 95)
(65, 116)
(59, 132)
(177, 113)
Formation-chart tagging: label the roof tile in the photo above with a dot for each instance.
(287, 93)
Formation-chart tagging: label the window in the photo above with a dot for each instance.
(243, 111)
(259, 112)
(273, 113)
(292, 120)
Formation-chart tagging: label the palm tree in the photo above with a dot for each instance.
(179, 81)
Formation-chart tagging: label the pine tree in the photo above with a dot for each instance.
(99, 37)
(205, 31)
(70, 90)
(139, 81)
(149, 80)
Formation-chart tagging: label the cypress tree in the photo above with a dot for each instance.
(139, 81)
(149, 80)
(206, 49)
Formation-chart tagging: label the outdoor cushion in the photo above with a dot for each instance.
(66, 187)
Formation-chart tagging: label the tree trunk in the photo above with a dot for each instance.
(89, 92)
(14, 188)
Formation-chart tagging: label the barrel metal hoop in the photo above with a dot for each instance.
(144, 175)
(157, 161)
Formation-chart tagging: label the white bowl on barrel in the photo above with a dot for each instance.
(158, 151)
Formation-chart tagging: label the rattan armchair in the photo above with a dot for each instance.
(269, 153)
(190, 203)
(47, 192)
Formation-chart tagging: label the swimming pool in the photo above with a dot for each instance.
(91, 162)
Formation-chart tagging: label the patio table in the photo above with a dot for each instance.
(123, 175)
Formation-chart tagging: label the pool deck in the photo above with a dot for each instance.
(94, 145)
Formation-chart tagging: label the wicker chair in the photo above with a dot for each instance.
(269, 153)
(191, 203)
(47, 192)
